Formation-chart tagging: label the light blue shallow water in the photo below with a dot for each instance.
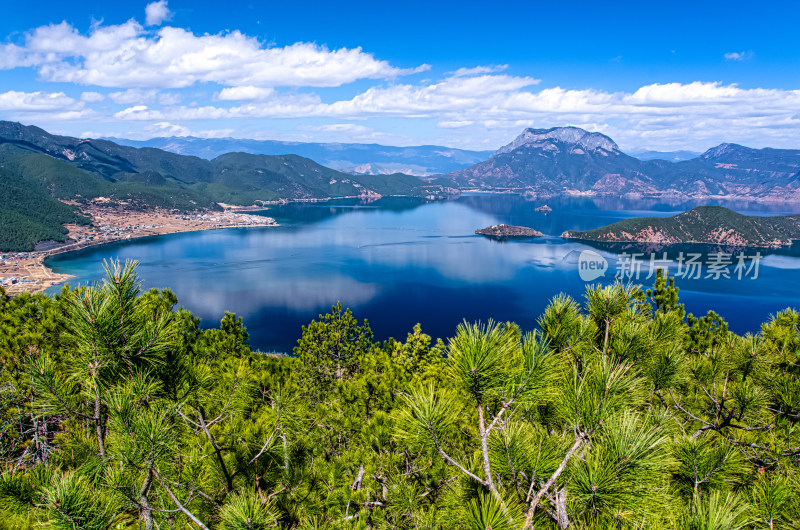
(399, 261)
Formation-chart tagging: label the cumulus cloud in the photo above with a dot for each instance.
(454, 124)
(36, 101)
(739, 56)
(165, 128)
(340, 127)
(238, 77)
(92, 97)
(487, 110)
(133, 95)
(13, 56)
(156, 13)
(353, 132)
(140, 96)
(127, 56)
(245, 93)
(478, 70)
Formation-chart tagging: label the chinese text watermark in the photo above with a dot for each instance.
(690, 265)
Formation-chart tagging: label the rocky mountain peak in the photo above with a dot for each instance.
(589, 141)
(721, 150)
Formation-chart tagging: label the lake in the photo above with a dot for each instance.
(398, 261)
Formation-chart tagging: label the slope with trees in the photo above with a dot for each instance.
(620, 411)
(714, 225)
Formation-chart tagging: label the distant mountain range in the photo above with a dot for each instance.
(672, 156)
(40, 171)
(706, 224)
(373, 159)
(569, 160)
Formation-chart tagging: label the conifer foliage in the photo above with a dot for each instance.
(618, 411)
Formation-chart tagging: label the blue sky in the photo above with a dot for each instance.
(658, 75)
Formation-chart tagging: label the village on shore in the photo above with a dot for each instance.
(26, 271)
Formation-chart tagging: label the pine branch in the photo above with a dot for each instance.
(580, 439)
(177, 502)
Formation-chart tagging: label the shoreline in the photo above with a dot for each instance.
(110, 225)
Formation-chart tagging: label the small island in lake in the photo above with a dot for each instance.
(503, 231)
(714, 225)
(543, 209)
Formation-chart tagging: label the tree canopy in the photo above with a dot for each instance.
(619, 410)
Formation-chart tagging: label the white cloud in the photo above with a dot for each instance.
(241, 79)
(138, 112)
(165, 128)
(169, 98)
(134, 96)
(36, 101)
(454, 124)
(13, 56)
(739, 56)
(245, 93)
(352, 132)
(478, 70)
(127, 56)
(156, 13)
(487, 111)
(92, 97)
(340, 127)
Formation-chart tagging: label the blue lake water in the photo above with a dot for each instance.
(399, 261)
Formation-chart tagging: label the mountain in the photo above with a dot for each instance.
(47, 180)
(553, 161)
(569, 160)
(672, 156)
(348, 157)
(239, 178)
(705, 224)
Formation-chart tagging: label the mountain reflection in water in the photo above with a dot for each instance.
(399, 261)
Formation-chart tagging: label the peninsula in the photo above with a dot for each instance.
(705, 224)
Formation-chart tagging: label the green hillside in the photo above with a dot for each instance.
(29, 214)
(149, 176)
(704, 224)
(40, 168)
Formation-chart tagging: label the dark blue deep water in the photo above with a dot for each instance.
(399, 261)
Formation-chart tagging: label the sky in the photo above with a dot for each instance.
(651, 75)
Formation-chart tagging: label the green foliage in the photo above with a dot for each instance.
(331, 349)
(71, 502)
(247, 511)
(664, 294)
(718, 511)
(118, 411)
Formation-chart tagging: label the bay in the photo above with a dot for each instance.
(400, 261)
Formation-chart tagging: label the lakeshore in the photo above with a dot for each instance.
(22, 272)
(399, 261)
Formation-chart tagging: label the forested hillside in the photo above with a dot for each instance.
(29, 214)
(59, 167)
(617, 411)
(705, 224)
(149, 176)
